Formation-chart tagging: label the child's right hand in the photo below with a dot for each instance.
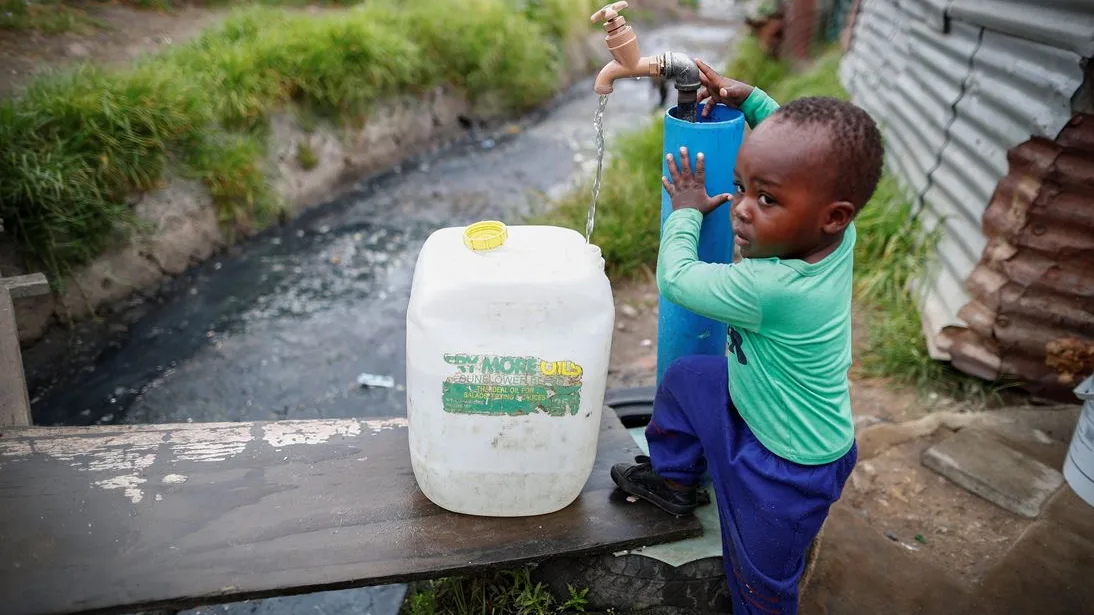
(719, 89)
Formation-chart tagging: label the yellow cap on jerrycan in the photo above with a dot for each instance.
(485, 235)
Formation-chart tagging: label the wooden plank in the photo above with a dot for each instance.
(14, 404)
(123, 518)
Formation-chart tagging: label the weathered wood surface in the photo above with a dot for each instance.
(118, 519)
(14, 405)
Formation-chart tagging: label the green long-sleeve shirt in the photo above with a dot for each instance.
(789, 331)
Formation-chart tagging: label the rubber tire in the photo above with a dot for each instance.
(633, 406)
(637, 585)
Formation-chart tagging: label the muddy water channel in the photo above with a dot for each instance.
(281, 327)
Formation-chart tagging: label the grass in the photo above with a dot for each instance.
(306, 156)
(57, 16)
(501, 593)
(74, 147)
(892, 250)
(627, 215)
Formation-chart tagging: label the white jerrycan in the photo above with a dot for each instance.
(509, 331)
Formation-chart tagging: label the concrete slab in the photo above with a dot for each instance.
(996, 472)
(861, 571)
(1072, 513)
(1049, 570)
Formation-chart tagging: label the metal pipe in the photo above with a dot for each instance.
(681, 69)
(685, 76)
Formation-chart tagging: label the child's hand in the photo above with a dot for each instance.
(688, 190)
(720, 89)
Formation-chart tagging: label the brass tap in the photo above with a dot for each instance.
(623, 44)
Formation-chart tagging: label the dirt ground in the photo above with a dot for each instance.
(890, 490)
(119, 34)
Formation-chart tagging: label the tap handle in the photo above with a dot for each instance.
(609, 12)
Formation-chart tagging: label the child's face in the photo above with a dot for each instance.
(783, 206)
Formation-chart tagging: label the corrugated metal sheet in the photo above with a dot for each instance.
(1033, 287)
(908, 85)
(955, 85)
(1064, 24)
(868, 65)
(918, 122)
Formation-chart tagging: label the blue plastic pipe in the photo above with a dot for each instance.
(718, 137)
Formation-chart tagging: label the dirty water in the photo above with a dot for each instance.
(283, 325)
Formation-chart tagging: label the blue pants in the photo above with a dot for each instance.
(771, 509)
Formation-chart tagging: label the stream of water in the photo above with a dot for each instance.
(598, 125)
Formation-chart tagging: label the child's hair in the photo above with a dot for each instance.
(857, 152)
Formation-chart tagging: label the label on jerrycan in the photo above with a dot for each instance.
(511, 386)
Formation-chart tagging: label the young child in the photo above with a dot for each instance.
(772, 420)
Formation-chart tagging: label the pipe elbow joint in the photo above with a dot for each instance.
(682, 70)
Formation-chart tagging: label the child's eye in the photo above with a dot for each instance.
(766, 199)
(740, 187)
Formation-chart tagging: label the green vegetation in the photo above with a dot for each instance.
(891, 252)
(74, 147)
(56, 16)
(500, 593)
(751, 65)
(306, 156)
(628, 209)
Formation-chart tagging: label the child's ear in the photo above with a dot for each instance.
(836, 217)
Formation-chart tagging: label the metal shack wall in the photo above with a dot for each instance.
(1032, 312)
(956, 84)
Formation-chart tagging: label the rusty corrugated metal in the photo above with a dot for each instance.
(800, 29)
(955, 84)
(1034, 285)
(1014, 89)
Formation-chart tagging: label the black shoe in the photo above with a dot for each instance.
(640, 480)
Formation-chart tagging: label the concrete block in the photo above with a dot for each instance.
(994, 471)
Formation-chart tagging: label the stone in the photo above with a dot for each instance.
(994, 471)
(629, 310)
(34, 316)
(77, 50)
